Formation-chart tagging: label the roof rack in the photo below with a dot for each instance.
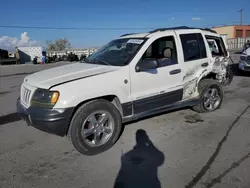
(181, 27)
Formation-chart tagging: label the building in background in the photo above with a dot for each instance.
(6, 58)
(27, 54)
(234, 31)
(77, 51)
(235, 35)
(3, 54)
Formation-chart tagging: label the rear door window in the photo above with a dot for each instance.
(193, 46)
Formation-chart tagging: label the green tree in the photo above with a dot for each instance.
(58, 45)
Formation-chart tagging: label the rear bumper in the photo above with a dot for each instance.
(244, 66)
(54, 121)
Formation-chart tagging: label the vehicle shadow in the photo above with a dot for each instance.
(157, 114)
(151, 116)
(236, 72)
(238, 52)
(9, 118)
(139, 166)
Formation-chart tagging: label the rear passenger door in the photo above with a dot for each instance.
(194, 57)
(194, 51)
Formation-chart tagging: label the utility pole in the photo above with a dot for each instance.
(241, 16)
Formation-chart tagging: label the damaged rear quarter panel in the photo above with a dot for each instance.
(193, 76)
(219, 63)
(191, 80)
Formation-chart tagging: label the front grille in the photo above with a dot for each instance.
(248, 58)
(25, 96)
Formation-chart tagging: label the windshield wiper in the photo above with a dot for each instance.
(100, 61)
(95, 61)
(85, 61)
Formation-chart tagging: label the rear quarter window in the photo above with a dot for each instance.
(222, 51)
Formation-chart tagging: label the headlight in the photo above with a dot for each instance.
(44, 98)
(242, 64)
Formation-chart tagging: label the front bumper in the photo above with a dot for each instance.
(244, 66)
(54, 121)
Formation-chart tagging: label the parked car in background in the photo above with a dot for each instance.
(131, 77)
(244, 63)
(246, 46)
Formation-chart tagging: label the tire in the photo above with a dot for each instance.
(204, 87)
(229, 79)
(82, 143)
(240, 72)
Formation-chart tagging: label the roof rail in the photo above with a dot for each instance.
(127, 34)
(207, 29)
(181, 27)
(169, 28)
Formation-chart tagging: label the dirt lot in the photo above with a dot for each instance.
(190, 149)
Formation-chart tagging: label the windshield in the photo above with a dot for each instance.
(118, 52)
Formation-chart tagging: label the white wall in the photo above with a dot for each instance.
(236, 43)
(27, 54)
(77, 51)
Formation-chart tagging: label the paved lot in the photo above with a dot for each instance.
(190, 150)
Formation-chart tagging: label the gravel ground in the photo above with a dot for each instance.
(189, 149)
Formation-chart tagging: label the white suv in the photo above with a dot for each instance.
(131, 77)
(244, 63)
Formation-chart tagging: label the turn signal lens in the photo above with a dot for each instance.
(54, 97)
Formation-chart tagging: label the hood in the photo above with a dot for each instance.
(50, 77)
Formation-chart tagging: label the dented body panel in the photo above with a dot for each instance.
(220, 65)
(215, 66)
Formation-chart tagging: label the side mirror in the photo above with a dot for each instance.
(146, 64)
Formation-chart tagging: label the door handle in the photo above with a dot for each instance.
(204, 64)
(175, 71)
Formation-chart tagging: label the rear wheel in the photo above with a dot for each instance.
(211, 96)
(230, 74)
(95, 127)
(241, 72)
(230, 77)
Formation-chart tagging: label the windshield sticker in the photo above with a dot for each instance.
(135, 41)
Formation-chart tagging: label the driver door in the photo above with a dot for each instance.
(155, 88)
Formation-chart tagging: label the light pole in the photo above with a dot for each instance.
(241, 16)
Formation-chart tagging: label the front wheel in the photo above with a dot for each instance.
(95, 127)
(211, 96)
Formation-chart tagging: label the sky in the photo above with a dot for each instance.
(127, 15)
